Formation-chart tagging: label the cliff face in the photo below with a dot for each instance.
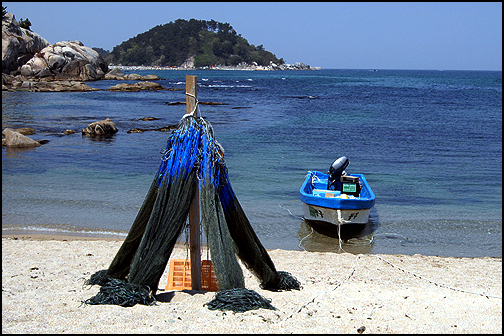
(68, 60)
(30, 62)
(19, 45)
(28, 54)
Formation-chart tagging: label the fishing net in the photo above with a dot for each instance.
(192, 159)
(119, 268)
(123, 294)
(250, 250)
(239, 300)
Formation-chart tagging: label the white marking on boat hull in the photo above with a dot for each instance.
(316, 213)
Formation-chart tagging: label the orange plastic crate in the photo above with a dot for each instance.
(179, 276)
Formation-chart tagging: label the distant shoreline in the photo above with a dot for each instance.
(260, 68)
(219, 67)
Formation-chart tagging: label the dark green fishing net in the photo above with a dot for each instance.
(239, 300)
(192, 159)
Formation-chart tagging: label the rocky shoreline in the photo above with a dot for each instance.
(31, 63)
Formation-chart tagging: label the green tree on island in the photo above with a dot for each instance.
(26, 24)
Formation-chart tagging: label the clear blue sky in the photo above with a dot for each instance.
(333, 35)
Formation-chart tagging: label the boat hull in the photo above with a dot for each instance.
(315, 213)
(334, 207)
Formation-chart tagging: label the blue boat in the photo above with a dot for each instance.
(336, 198)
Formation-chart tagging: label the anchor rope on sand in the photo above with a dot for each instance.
(431, 281)
(351, 273)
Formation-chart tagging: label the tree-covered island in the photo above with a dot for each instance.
(193, 43)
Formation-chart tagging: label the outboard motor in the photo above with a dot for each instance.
(336, 170)
(340, 181)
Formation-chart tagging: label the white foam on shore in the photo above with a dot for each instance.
(14, 229)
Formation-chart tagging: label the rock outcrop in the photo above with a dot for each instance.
(31, 63)
(68, 60)
(100, 128)
(18, 44)
(116, 73)
(15, 83)
(137, 86)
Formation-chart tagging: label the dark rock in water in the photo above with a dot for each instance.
(139, 77)
(166, 129)
(57, 86)
(21, 83)
(161, 129)
(137, 130)
(149, 119)
(98, 128)
(211, 103)
(117, 74)
(201, 103)
(25, 130)
(137, 86)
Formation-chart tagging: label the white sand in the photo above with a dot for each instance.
(42, 290)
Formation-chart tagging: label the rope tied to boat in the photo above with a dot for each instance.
(340, 218)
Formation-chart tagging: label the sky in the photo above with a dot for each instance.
(331, 35)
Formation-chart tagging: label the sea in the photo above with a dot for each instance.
(428, 142)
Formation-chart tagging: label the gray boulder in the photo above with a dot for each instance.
(67, 60)
(16, 139)
(114, 73)
(18, 44)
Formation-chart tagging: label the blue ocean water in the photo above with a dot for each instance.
(428, 142)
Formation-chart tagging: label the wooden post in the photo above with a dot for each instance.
(191, 95)
(194, 212)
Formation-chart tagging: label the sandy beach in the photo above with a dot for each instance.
(43, 289)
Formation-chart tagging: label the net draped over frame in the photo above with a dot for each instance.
(192, 159)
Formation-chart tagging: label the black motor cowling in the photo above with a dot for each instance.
(335, 171)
